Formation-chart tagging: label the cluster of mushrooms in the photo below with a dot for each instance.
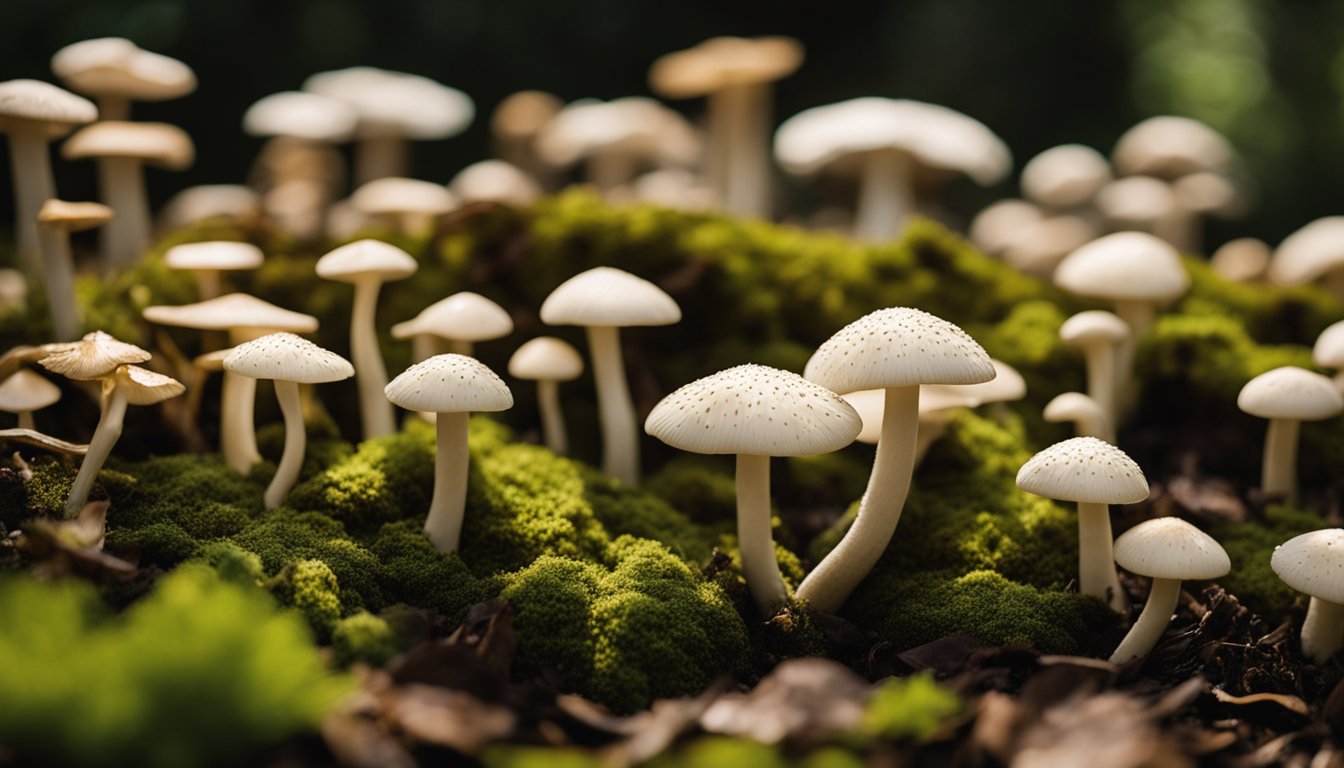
(1108, 234)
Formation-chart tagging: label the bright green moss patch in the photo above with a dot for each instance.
(909, 708)
(365, 638)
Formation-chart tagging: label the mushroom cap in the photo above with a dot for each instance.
(308, 116)
(1328, 351)
(755, 410)
(25, 392)
(1065, 176)
(1125, 266)
(1170, 548)
(634, 125)
(449, 384)
(395, 103)
(1313, 563)
(1038, 246)
(116, 66)
(934, 400)
(606, 296)
(1311, 252)
(1084, 469)
(145, 387)
(1208, 192)
(522, 115)
(546, 358)
(92, 357)
(1072, 406)
(73, 217)
(286, 357)
(364, 258)
(720, 62)
(36, 101)
(464, 316)
(208, 201)
(998, 226)
(159, 143)
(933, 135)
(1241, 260)
(13, 287)
(1170, 147)
(1094, 326)
(1136, 201)
(214, 254)
(495, 181)
(1006, 386)
(231, 311)
(1290, 392)
(395, 195)
(675, 188)
(212, 362)
(898, 347)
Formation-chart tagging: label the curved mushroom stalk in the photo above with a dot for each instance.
(1145, 633)
(296, 442)
(756, 540)
(376, 412)
(105, 435)
(1322, 630)
(616, 411)
(1096, 559)
(886, 197)
(443, 526)
(552, 418)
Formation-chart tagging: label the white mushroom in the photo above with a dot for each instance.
(1314, 252)
(1066, 177)
(209, 201)
(1313, 563)
(1088, 419)
(55, 221)
(615, 139)
(495, 181)
(409, 205)
(461, 319)
(116, 71)
(1328, 352)
(25, 392)
(515, 125)
(1101, 336)
(548, 361)
(205, 260)
(1243, 260)
(1287, 396)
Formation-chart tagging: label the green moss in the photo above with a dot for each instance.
(1250, 545)
(283, 537)
(539, 757)
(722, 752)
(233, 563)
(1212, 354)
(413, 572)
(310, 586)
(365, 638)
(909, 708)
(162, 543)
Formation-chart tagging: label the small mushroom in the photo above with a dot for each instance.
(1143, 204)
(1089, 420)
(1287, 396)
(1100, 335)
(205, 260)
(515, 125)
(204, 202)
(367, 264)
(1243, 260)
(615, 139)
(548, 361)
(289, 361)
(755, 412)
(1328, 352)
(495, 181)
(1065, 178)
(1095, 474)
(461, 319)
(1312, 253)
(25, 392)
(1168, 550)
(409, 205)
(1312, 563)
(452, 386)
(55, 221)
(116, 71)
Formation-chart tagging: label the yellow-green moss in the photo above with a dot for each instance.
(909, 708)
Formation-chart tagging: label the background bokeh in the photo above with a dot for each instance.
(1038, 72)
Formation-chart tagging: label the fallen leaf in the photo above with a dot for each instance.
(446, 718)
(800, 700)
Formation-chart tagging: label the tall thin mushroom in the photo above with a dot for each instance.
(116, 72)
(1100, 335)
(548, 361)
(55, 221)
(1287, 396)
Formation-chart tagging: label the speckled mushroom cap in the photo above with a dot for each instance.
(73, 217)
(1290, 392)
(1072, 406)
(1170, 147)
(1328, 352)
(546, 358)
(634, 124)
(1136, 201)
(145, 387)
(396, 103)
(214, 255)
(397, 195)
(495, 181)
(449, 384)
(92, 357)
(1310, 252)
(1170, 548)
(1125, 266)
(116, 66)
(234, 310)
(871, 405)
(606, 296)
(286, 357)
(362, 258)
(159, 143)
(308, 116)
(720, 62)
(36, 101)
(1084, 469)
(898, 347)
(1065, 176)
(1092, 327)
(464, 316)
(755, 410)
(1313, 563)
(25, 392)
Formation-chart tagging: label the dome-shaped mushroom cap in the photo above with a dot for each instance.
(1313, 563)
(1290, 392)
(212, 362)
(397, 195)
(1170, 147)
(634, 125)
(1092, 327)
(208, 201)
(307, 116)
(449, 384)
(214, 255)
(362, 258)
(756, 410)
(936, 136)
(1065, 176)
(25, 392)
(159, 143)
(1208, 192)
(611, 297)
(145, 387)
(464, 316)
(1125, 266)
(117, 66)
(1084, 469)
(723, 61)
(1310, 252)
(1328, 351)
(523, 114)
(35, 100)
(286, 357)
(495, 181)
(546, 358)
(1136, 201)
(1242, 260)
(1170, 548)
(898, 347)
(396, 103)
(1072, 406)
(998, 226)
(92, 357)
(234, 310)
(73, 217)
(1006, 386)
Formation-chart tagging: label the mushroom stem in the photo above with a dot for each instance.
(1101, 383)
(113, 106)
(552, 420)
(1322, 630)
(885, 197)
(444, 523)
(460, 347)
(1140, 317)
(375, 410)
(378, 157)
(122, 183)
(1278, 474)
(207, 283)
(287, 473)
(33, 183)
(237, 435)
(1096, 558)
(1145, 633)
(610, 170)
(424, 346)
(747, 173)
(754, 538)
(829, 584)
(620, 440)
(104, 437)
(26, 420)
(58, 277)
